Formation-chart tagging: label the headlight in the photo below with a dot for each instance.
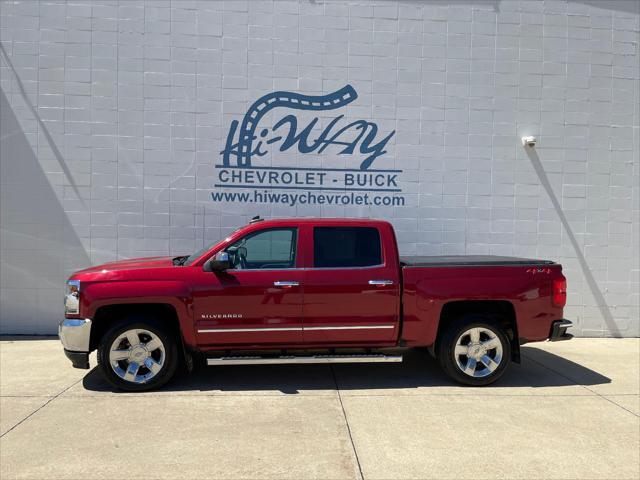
(72, 298)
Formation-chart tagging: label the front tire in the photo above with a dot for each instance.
(136, 355)
(474, 350)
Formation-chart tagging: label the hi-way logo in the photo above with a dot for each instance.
(248, 140)
(333, 134)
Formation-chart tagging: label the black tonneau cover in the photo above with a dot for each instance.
(469, 261)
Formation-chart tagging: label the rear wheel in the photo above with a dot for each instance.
(474, 350)
(137, 355)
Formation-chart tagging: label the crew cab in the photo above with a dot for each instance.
(309, 291)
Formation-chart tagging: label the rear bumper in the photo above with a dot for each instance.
(559, 331)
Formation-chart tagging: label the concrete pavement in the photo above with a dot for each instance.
(571, 410)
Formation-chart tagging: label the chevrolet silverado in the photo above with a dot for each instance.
(309, 291)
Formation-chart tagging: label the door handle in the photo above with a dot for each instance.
(285, 284)
(380, 283)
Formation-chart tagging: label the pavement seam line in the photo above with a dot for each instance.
(278, 395)
(346, 420)
(583, 386)
(51, 399)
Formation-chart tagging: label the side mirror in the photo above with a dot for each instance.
(219, 263)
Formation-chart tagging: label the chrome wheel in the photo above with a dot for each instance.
(478, 352)
(137, 355)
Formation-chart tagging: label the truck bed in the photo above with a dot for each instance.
(469, 261)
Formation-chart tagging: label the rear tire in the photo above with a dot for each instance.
(474, 350)
(137, 354)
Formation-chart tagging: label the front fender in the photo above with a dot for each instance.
(171, 292)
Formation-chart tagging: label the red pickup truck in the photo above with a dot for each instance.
(309, 291)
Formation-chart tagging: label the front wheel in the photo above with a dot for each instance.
(474, 351)
(137, 356)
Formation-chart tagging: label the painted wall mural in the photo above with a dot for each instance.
(249, 141)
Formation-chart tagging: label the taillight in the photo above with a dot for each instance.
(559, 297)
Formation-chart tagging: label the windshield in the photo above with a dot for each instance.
(194, 256)
(198, 254)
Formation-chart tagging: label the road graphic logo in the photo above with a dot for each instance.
(249, 140)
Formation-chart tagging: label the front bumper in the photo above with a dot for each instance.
(78, 359)
(75, 334)
(559, 330)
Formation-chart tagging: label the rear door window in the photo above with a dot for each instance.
(344, 247)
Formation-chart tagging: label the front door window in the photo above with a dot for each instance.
(266, 249)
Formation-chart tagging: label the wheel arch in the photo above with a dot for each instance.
(501, 311)
(106, 315)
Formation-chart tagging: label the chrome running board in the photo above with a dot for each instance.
(244, 360)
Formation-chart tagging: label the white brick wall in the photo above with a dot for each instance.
(114, 115)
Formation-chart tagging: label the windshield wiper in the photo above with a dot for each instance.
(180, 260)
